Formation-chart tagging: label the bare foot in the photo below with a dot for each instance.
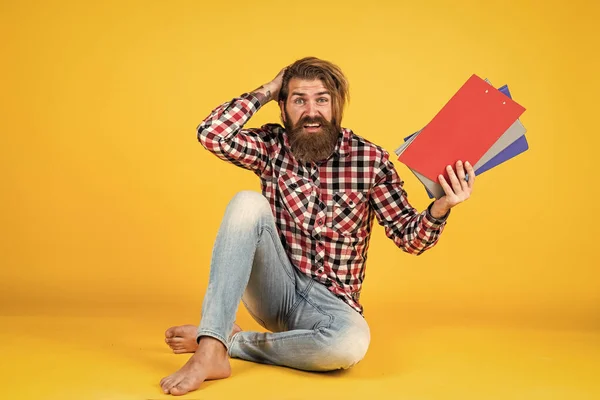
(182, 339)
(210, 361)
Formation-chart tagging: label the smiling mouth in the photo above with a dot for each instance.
(312, 126)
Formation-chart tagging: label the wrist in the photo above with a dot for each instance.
(438, 211)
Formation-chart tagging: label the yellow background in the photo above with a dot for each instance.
(110, 205)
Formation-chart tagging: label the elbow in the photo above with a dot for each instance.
(201, 133)
(415, 247)
(207, 137)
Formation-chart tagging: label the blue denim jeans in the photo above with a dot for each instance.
(309, 327)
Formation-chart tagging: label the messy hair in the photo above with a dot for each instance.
(310, 68)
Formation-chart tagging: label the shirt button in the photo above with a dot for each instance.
(320, 221)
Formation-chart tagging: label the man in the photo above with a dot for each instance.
(295, 254)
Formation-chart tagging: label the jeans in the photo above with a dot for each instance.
(309, 327)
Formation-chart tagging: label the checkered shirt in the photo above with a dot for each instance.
(323, 211)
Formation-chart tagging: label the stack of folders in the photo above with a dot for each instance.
(479, 124)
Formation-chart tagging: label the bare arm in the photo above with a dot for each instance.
(269, 91)
(222, 132)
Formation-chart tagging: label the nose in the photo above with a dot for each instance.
(311, 110)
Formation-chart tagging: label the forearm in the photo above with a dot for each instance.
(411, 230)
(225, 119)
(416, 233)
(223, 134)
(228, 118)
(222, 131)
(264, 93)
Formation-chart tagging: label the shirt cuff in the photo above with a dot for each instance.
(433, 222)
(252, 99)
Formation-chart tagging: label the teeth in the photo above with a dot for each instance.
(312, 125)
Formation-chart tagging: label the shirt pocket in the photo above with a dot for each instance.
(348, 211)
(298, 198)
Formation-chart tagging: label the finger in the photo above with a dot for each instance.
(471, 173)
(461, 175)
(447, 189)
(454, 180)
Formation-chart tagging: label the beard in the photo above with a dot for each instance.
(311, 147)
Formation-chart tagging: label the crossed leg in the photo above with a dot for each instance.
(310, 328)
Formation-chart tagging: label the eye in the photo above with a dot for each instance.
(322, 99)
(298, 100)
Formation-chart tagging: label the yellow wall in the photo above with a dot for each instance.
(108, 199)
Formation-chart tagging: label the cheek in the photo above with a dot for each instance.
(328, 114)
(291, 113)
(293, 119)
(295, 116)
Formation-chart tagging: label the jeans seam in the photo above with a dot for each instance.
(304, 296)
(276, 239)
(292, 336)
(296, 304)
(253, 315)
(320, 310)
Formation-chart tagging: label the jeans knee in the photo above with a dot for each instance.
(247, 208)
(344, 349)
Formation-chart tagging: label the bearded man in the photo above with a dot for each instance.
(295, 253)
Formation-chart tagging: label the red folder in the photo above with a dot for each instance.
(464, 129)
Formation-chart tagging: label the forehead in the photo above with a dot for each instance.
(307, 87)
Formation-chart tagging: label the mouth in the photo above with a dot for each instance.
(312, 127)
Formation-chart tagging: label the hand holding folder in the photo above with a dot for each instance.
(479, 124)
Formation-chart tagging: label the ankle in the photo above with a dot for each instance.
(208, 345)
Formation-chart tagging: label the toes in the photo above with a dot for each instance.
(181, 331)
(178, 331)
(166, 384)
(169, 333)
(182, 388)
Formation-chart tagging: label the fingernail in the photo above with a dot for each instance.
(468, 163)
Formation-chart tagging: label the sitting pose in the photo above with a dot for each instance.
(295, 254)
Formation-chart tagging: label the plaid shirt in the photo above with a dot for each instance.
(324, 212)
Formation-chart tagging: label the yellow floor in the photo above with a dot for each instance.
(120, 354)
